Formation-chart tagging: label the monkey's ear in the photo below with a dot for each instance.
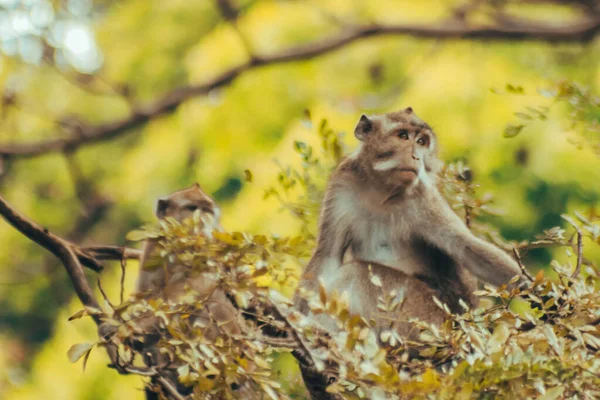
(363, 128)
(161, 207)
(196, 185)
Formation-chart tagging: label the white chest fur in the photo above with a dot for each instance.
(387, 242)
(380, 235)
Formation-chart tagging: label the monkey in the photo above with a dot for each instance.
(382, 208)
(179, 205)
(170, 281)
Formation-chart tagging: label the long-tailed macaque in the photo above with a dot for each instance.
(172, 280)
(382, 208)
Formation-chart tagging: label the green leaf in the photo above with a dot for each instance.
(553, 394)
(523, 115)
(499, 338)
(79, 350)
(136, 235)
(78, 314)
(514, 89)
(299, 146)
(512, 130)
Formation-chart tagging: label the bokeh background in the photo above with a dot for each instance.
(181, 91)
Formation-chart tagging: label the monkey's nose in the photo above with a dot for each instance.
(415, 157)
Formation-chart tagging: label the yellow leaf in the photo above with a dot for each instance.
(204, 385)
(553, 394)
(79, 350)
(539, 277)
(136, 235)
(500, 336)
(430, 377)
(465, 392)
(78, 315)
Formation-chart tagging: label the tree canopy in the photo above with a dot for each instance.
(108, 105)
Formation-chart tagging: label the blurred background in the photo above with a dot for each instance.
(107, 105)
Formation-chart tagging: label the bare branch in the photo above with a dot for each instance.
(70, 255)
(122, 282)
(170, 388)
(112, 252)
(45, 238)
(579, 245)
(520, 262)
(581, 31)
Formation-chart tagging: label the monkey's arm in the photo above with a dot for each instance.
(334, 236)
(444, 229)
(150, 280)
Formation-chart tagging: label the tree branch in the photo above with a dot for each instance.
(54, 244)
(87, 256)
(581, 31)
(72, 257)
(112, 252)
(521, 266)
(579, 244)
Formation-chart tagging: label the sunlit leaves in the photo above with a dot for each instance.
(496, 351)
(513, 130)
(582, 104)
(77, 351)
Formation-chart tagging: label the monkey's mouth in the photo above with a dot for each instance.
(405, 169)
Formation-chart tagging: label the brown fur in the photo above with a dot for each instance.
(172, 280)
(417, 292)
(382, 208)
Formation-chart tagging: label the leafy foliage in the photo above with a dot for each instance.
(546, 346)
(483, 353)
(582, 105)
(142, 51)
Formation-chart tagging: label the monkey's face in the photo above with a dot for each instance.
(184, 203)
(399, 149)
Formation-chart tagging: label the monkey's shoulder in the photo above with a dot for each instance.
(350, 168)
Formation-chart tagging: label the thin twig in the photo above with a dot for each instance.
(104, 295)
(579, 245)
(520, 262)
(304, 354)
(122, 282)
(70, 256)
(44, 237)
(579, 254)
(167, 385)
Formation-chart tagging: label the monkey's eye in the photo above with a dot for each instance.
(191, 207)
(422, 141)
(403, 134)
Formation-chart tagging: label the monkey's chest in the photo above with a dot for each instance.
(377, 243)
